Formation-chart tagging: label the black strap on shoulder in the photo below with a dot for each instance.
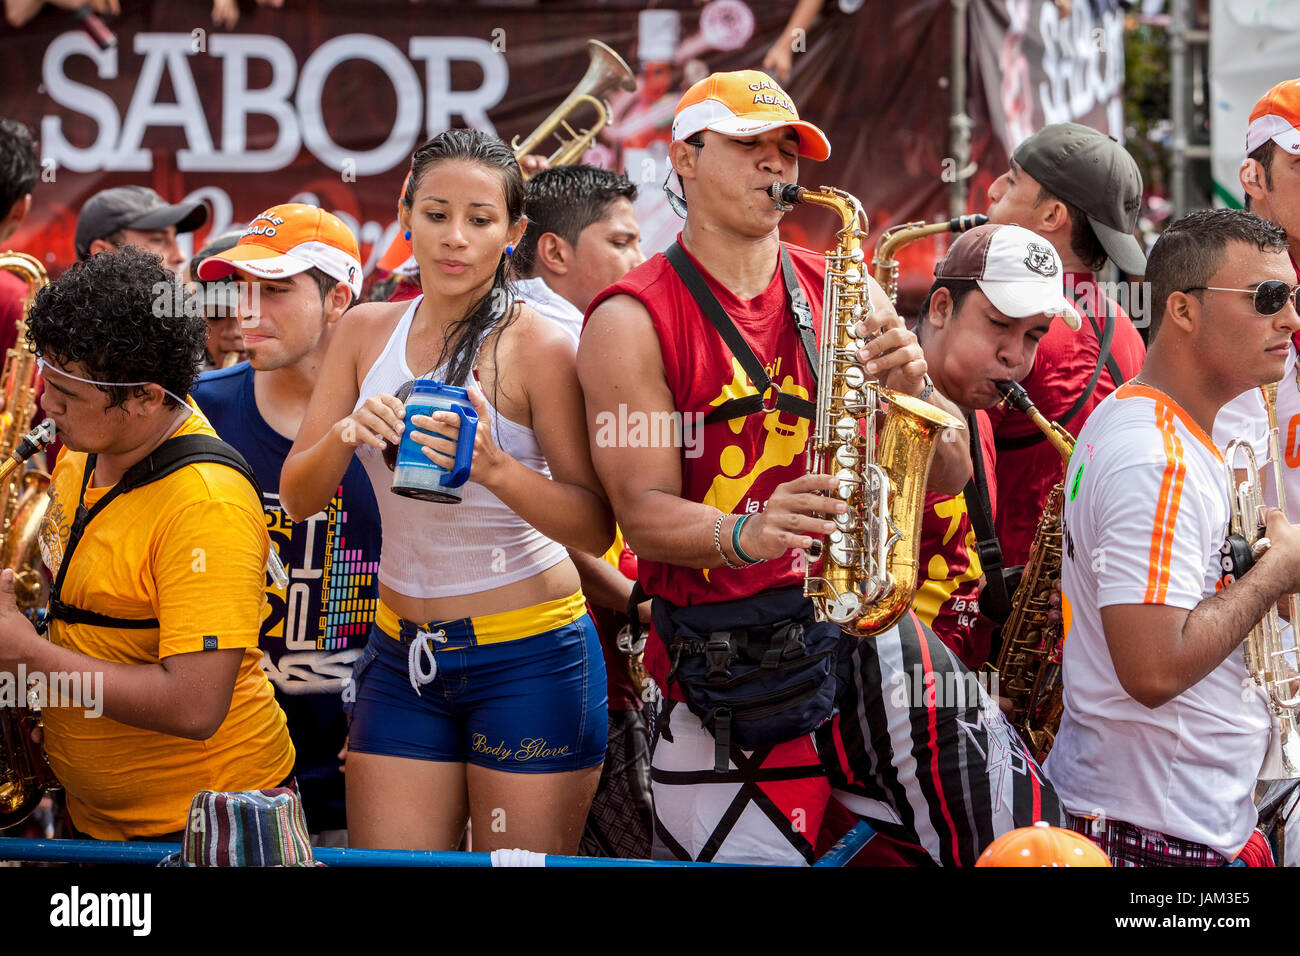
(1104, 360)
(170, 456)
(731, 337)
(995, 603)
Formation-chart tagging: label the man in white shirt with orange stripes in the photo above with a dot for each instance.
(1164, 730)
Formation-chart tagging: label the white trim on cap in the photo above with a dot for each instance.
(1276, 128)
(720, 118)
(335, 263)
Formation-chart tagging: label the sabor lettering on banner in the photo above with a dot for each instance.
(292, 99)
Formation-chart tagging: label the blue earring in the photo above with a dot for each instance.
(407, 235)
(510, 250)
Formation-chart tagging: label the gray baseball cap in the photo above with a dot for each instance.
(1091, 170)
(132, 207)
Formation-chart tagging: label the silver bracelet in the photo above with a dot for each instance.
(717, 543)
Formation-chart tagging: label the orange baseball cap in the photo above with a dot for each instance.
(1277, 117)
(289, 239)
(745, 103)
(399, 257)
(1042, 845)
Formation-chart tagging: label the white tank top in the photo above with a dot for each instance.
(436, 550)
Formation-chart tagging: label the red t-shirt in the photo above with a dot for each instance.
(947, 596)
(1062, 367)
(732, 465)
(13, 291)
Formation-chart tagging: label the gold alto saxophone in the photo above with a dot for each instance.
(883, 264)
(24, 772)
(868, 575)
(1029, 663)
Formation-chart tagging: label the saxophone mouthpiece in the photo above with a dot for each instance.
(32, 442)
(1015, 395)
(785, 195)
(38, 438)
(964, 223)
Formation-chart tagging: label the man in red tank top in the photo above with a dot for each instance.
(720, 509)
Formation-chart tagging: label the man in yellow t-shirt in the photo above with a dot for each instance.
(180, 704)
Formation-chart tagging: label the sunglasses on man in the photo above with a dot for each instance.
(1271, 295)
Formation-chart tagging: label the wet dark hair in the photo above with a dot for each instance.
(1190, 251)
(121, 315)
(497, 306)
(566, 200)
(18, 167)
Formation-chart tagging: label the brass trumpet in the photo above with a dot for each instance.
(1272, 665)
(606, 72)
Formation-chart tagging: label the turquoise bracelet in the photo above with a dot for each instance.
(735, 541)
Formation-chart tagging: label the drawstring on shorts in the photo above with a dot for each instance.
(422, 650)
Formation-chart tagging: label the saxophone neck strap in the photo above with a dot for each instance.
(761, 403)
(1105, 360)
(995, 602)
(173, 454)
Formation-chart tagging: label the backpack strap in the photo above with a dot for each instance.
(995, 602)
(170, 456)
(735, 342)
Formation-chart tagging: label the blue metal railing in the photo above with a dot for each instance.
(150, 854)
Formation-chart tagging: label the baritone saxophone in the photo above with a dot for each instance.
(25, 773)
(1029, 662)
(867, 576)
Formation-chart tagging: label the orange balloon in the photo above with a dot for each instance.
(1042, 845)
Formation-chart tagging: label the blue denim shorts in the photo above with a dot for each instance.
(451, 691)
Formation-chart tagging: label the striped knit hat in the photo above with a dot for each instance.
(247, 828)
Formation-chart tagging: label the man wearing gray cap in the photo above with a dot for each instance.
(1080, 190)
(137, 216)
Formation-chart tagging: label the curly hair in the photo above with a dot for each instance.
(122, 316)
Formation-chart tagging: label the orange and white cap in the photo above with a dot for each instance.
(1277, 117)
(289, 239)
(745, 103)
(399, 257)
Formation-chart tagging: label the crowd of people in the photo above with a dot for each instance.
(605, 646)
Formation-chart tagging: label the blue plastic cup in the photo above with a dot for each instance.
(414, 475)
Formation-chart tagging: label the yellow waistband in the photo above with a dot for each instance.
(497, 628)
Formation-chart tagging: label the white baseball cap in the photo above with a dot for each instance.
(1018, 270)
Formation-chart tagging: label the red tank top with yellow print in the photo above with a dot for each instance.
(732, 465)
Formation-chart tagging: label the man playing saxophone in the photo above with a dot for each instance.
(994, 297)
(1164, 729)
(721, 532)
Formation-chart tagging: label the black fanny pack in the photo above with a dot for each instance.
(758, 671)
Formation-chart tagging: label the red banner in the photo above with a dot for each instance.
(325, 103)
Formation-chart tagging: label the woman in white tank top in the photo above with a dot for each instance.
(477, 592)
